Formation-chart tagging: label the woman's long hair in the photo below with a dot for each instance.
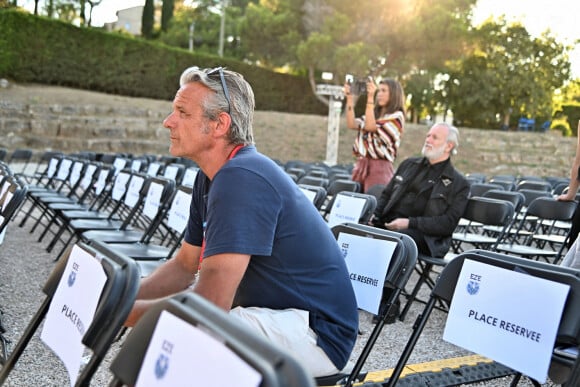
(396, 98)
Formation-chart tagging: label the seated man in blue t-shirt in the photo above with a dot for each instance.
(266, 254)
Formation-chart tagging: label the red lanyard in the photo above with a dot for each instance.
(231, 156)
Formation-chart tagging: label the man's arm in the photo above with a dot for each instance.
(173, 276)
(220, 277)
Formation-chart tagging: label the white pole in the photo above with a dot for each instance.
(191, 31)
(332, 136)
(222, 29)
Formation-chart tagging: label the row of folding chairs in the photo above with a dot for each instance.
(83, 201)
(401, 255)
(500, 221)
(185, 325)
(553, 184)
(562, 351)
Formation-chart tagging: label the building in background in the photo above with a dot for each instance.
(128, 19)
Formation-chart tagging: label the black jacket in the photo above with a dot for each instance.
(444, 207)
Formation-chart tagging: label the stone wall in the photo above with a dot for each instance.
(88, 128)
(124, 126)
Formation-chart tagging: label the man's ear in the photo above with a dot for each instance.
(224, 122)
(450, 147)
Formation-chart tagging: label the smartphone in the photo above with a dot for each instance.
(349, 78)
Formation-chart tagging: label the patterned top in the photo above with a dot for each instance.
(382, 144)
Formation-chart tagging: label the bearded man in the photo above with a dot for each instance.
(427, 196)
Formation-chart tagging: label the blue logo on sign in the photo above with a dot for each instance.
(161, 366)
(71, 278)
(472, 287)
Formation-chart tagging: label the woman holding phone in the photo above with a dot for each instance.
(379, 130)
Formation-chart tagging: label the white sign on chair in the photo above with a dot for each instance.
(73, 307)
(180, 353)
(507, 316)
(345, 209)
(367, 261)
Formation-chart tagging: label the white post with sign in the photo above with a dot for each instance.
(335, 97)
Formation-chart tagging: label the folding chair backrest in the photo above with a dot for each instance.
(444, 289)
(119, 164)
(479, 189)
(370, 203)
(174, 171)
(20, 156)
(313, 180)
(275, 366)
(115, 303)
(569, 329)
(516, 198)
(405, 254)
(550, 208)
(342, 185)
(178, 212)
(189, 176)
(316, 194)
(153, 168)
(488, 211)
(12, 194)
(532, 194)
(400, 268)
(538, 185)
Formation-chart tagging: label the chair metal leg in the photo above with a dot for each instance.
(417, 329)
(372, 340)
(412, 297)
(26, 336)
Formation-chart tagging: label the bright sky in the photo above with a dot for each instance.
(559, 16)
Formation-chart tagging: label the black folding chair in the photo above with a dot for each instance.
(12, 195)
(276, 367)
(569, 329)
(370, 203)
(317, 194)
(536, 236)
(400, 268)
(112, 310)
(481, 210)
(147, 253)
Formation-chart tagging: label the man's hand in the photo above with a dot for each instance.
(397, 224)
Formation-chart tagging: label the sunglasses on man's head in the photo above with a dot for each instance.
(220, 71)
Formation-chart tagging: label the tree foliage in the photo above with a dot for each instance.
(166, 13)
(147, 19)
(506, 75)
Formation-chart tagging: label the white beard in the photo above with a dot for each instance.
(433, 153)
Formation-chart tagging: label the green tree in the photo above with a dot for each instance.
(507, 74)
(382, 37)
(166, 13)
(270, 32)
(204, 17)
(147, 19)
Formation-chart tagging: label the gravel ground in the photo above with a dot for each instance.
(25, 266)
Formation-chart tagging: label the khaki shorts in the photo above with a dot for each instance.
(289, 329)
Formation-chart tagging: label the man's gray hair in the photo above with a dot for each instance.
(241, 105)
(452, 135)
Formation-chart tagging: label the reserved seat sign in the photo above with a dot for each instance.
(507, 316)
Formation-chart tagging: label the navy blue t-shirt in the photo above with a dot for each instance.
(253, 207)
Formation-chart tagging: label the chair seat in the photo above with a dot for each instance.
(141, 251)
(80, 214)
(114, 236)
(526, 251)
(474, 239)
(81, 225)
